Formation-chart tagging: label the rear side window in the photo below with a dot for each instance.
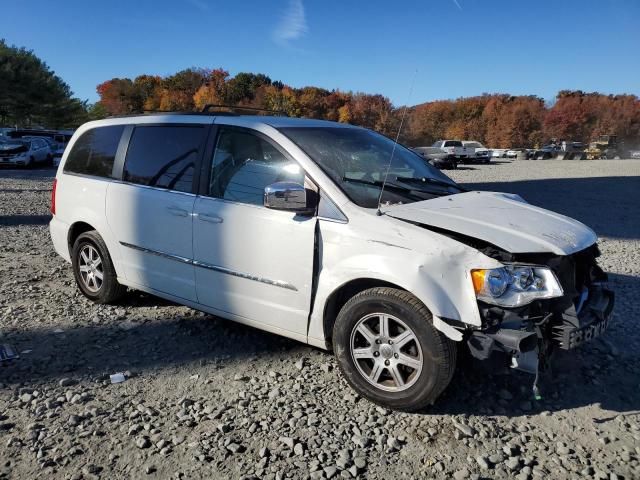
(453, 143)
(93, 153)
(164, 156)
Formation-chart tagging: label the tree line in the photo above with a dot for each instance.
(497, 120)
(32, 94)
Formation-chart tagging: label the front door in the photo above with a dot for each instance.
(250, 261)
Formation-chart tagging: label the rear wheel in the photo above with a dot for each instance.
(93, 270)
(390, 352)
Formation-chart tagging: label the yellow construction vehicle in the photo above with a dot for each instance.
(606, 146)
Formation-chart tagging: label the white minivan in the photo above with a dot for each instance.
(329, 234)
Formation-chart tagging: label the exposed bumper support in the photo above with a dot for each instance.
(589, 322)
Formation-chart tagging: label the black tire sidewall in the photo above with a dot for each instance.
(109, 280)
(424, 390)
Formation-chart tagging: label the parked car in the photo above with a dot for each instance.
(25, 152)
(4, 131)
(329, 234)
(565, 150)
(53, 145)
(499, 152)
(634, 154)
(437, 158)
(57, 139)
(481, 153)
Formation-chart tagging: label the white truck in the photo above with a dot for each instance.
(456, 149)
(481, 154)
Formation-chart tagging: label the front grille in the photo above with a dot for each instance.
(578, 271)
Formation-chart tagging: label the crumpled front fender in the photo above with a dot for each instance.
(437, 272)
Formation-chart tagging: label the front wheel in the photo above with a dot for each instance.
(390, 352)
(93, 269)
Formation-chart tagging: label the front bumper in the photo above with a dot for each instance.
(582, 314)
(590, 321)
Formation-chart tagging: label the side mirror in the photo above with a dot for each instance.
(287, 196)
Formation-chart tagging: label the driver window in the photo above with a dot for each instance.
(244, 164)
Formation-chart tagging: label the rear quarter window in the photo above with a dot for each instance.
(94, 152)
(164, 156)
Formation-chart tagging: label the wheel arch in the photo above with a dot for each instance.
(81, 226)
(341, 295)
(75, 230)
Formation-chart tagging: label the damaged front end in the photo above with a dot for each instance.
(526, 336)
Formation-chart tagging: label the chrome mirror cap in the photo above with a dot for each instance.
(288, 196)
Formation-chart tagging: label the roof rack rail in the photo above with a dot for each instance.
(211, 108)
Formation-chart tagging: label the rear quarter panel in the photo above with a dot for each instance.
(82, 199)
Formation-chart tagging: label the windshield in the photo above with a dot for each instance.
(357, 159)
(453, 143)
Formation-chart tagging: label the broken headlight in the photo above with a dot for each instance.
(515, 285)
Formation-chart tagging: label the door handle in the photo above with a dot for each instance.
(180, 212)
(209, 218)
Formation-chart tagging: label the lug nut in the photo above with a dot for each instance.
(376, 354)
(378, 341)
(390, 342)
(386, 362)
(395, 355)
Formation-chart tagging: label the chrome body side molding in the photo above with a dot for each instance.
(217, 268)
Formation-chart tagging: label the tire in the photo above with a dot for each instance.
(30, 163)
(49, 161)
(433, 354)
(88, 245)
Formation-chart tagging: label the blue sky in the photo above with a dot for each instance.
(458, 47)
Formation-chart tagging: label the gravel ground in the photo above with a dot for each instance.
(207, 398)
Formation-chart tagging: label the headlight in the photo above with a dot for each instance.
(515, 285)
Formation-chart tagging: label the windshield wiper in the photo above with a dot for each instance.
(428, 180)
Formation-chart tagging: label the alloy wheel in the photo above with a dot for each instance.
(91, 270)
(386, 352)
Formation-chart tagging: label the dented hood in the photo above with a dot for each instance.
(502, 219)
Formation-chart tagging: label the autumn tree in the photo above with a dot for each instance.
(241, 88)
(583, 116)
(213, 91)
(497, 120)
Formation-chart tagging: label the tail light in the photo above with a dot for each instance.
(53, 196)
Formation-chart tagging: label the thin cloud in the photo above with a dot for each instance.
(457, 5)
(199, 4)
(292, 25)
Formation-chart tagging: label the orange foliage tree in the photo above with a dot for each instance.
(497, 120)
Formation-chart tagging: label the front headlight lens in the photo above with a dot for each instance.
(515, 285)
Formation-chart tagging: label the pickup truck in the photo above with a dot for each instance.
(436, 157)
(481, 154)
(456, 149)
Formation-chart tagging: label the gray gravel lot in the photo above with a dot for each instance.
(207, 398)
